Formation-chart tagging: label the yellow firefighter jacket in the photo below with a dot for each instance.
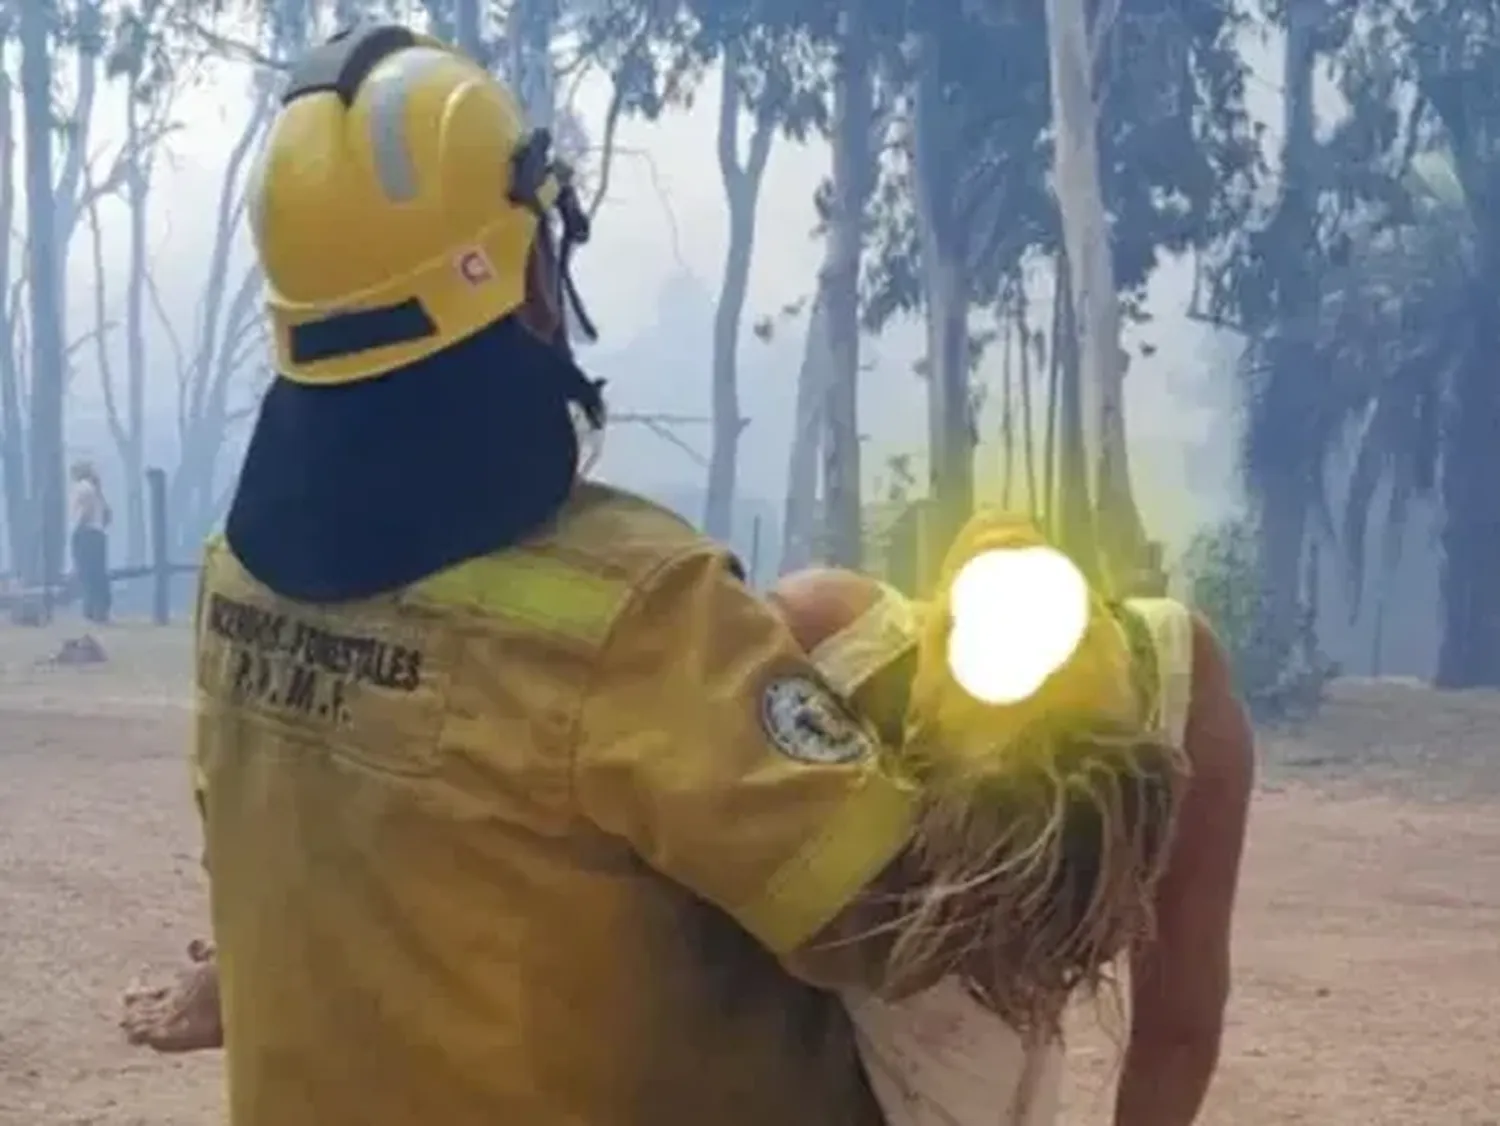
(519, 845)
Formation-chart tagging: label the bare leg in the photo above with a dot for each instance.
(183, 1016)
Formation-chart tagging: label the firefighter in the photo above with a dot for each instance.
(517, 802)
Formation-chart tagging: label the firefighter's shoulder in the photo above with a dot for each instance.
(623, 535)
(572, 579)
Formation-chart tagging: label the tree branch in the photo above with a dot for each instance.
(101, 351)
(660, 424)
(728, 139)
(174, 340)
(229, 208)
(75, 157)
(1412, 130)
(607, 147)
(231, 49)
(1100, 32)
(97, 188)
(760, 147)
(662, 419)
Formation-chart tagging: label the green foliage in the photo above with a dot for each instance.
(1295, 281)
(1392, 339)
(658, 53)
(1277, 682)
(1179, 156)
(655, 55)
(983, 145)
(1365, 293)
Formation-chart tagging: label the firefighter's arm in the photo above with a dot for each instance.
(711, 745)
(1180, 981)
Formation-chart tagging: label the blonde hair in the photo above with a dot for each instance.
(1043, 827)
(1039, 876)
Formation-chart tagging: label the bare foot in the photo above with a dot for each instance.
(181, 1017)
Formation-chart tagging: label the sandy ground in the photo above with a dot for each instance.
(1368, 985)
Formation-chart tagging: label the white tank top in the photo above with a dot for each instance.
(939, 1059)
(88, 505)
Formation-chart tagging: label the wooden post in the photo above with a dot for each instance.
(161, 566)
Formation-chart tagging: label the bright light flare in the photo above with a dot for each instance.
(1018, 615)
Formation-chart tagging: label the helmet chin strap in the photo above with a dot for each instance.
(534, 164)
(576, 229)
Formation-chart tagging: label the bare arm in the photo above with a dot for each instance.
(854, 949)
(1180, 982)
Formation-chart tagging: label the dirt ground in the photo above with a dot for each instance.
(1368, 981)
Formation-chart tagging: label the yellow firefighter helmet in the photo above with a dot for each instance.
(396, 205)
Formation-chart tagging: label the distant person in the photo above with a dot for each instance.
(90, 541)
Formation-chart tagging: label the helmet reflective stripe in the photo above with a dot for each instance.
(360, 330)
(390, 91)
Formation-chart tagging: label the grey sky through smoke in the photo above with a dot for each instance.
(650, 276)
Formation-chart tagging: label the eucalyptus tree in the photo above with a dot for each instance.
(42, 560)
(1448, 54)
(964, 203)
(1368, 302)
(781, 72)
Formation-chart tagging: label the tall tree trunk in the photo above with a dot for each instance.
(529, 32)
(1073, 524)
(71, 166)
(13, 422)
(1469, 655)
(1095, 301)
(1007, 409)
(226, 303)
(1059, 326)
(133, 454)
(950, 415)
(742, 180)
(1028, 422)
(799, 523)
(853, 173)
(950, 431)
(44, 258)
(1282, 482)
(467, 33)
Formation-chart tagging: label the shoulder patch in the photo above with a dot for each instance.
(808, 723)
